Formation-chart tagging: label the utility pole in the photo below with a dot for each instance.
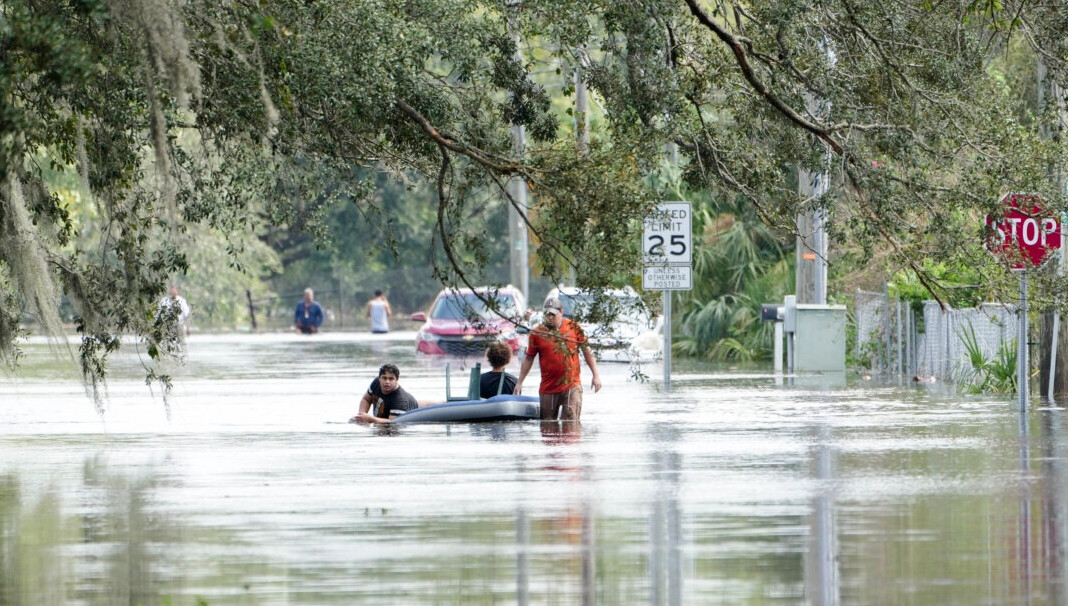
(517, 226)
(518, 237)
(1053, 341)
(673, 157)
(581, 121)
(811, 267)
(582, 106)
(811, 250)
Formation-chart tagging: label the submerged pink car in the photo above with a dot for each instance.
(460, 324)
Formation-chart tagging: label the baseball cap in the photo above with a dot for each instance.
(553, 306)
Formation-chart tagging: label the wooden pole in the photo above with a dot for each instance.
(251, 308)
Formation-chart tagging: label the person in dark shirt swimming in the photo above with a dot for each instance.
(386, 396)
(499, 355)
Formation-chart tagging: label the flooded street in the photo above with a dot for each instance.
(248, 487)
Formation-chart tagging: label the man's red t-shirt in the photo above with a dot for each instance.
(557, 352)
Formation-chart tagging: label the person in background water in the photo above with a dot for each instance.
(308, 316)
(180, 307)
(388, 395)
(379, 311)
(499, 355)
(556, 343)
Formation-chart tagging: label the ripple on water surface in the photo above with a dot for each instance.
(247, 486)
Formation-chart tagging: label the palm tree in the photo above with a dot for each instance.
(739, 263)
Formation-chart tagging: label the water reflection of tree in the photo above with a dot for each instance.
(1026, 560)
(115, 548)
(33, 535)
(1054, 502)
(124, 531)
(986, 524)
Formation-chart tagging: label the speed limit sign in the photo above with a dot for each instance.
(668, 235)
(667, 247)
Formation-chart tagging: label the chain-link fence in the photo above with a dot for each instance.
(344, 302)
(892, 337)
(275, 311)
(342, 311)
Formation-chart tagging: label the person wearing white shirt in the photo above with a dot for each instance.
(180, 307)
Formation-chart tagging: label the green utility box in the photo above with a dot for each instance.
(820, 340)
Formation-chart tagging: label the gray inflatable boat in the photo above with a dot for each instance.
(506, 407)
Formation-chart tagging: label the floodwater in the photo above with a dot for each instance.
(248, 487)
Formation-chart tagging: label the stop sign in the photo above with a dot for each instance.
(1026, 232)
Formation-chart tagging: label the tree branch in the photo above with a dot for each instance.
(758, 85)
(452, 143)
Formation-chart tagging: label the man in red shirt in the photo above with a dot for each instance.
(557, 343)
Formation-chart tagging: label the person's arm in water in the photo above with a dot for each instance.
(524, 369)
(366, 417)
(364, 413)
(591, 361)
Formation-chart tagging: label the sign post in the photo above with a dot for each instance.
(1056, 328)
(1025, 235)
(667, 254)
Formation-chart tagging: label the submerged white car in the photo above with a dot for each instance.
(634, 335)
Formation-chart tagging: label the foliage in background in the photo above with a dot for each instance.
(379, 245)
(960, 287)
(868, 354)
(242, 118)
(739, 263)
(982, 374)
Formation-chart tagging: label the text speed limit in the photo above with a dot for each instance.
(667, 248)
(667, 237)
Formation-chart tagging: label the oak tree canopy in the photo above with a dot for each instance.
(180, 113)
